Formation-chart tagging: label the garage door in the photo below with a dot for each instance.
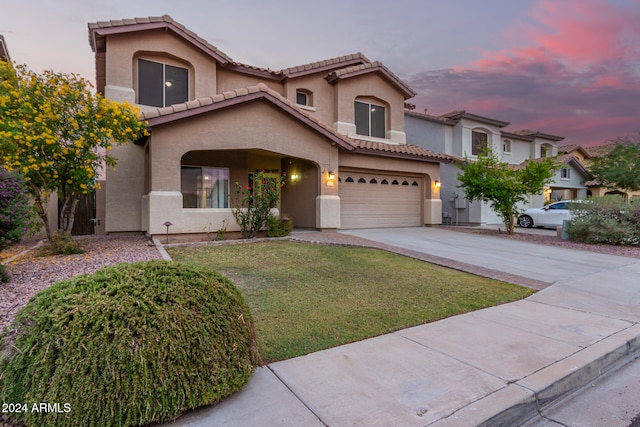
(374, 201)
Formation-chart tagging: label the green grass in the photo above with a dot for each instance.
(306, 297)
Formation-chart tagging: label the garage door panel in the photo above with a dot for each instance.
(373, 204)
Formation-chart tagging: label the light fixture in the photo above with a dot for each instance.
(437, 183)
(330, 178)
(168, 84)
(294, 177)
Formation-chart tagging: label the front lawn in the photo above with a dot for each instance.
(307, 297)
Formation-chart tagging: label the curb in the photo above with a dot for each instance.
(163, 252)
(522, 400)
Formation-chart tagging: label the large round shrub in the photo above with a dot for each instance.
(128, 345)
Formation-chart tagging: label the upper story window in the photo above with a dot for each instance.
(370, 119)
(506, 146)
(479, 141)
(304, 97)
(161, 85)
(565, 173)
(545, 151)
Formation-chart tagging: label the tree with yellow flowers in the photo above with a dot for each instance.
(57, 132)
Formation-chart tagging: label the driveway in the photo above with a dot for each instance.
(545, 263)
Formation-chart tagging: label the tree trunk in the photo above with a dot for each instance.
(68, 213)
(41, 207)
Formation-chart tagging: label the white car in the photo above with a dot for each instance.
(551, 215)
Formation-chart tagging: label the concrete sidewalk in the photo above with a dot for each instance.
(495, 366)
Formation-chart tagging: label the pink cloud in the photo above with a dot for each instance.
(572, 69)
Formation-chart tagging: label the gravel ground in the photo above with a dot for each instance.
(30, 274)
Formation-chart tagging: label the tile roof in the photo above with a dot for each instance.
(102, 28)
(159, 116)
(537, 134)
(600, 150)
(429, 117)
(397, 150)
(463, 114)
(372, 67)
(326, 65)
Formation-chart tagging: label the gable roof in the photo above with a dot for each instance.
(372, 67)
(571, 148)
(99, 30)
(326, 65)
(565, 159)
(159, 116)
(457, 115)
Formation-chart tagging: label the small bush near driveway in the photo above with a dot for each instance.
(129, 345)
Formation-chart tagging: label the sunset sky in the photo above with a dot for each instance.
(565, 67)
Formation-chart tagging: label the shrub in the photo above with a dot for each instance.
(61, 244)
(607, 219)
(279, 226)
(14, 208)
(255, 202)
(129, 345)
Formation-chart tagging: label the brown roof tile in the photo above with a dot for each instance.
(463, 114)
(324, 65)
(398, 150)
(372, 67)
(102, 28)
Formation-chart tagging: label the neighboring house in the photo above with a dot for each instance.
(4, 52)
(335, 127)
(463, 135)
(584, 155)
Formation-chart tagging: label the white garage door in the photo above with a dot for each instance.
(374, 201)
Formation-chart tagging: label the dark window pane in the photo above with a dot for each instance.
(362, 118)
(176, 85)
(150, 82)
(189, 178)
(301, 98)
(377, 121)
(478, 142)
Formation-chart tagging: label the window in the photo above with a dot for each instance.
(506, 146)
(204, 187)
(161, 85)
(302, 98)
(478, 142)
(565, 173)
(370, 119)
(544, 151)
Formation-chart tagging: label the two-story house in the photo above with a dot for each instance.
(463, 135)
(335, 127)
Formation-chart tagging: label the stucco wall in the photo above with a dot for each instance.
(370, 86)
(124, 49)
(322, 92)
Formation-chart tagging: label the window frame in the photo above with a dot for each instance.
(476, 148)
(212, 200)
(372, 125)
(565, 173)
(506, 146)
(182, 84)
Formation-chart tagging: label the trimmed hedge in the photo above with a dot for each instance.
(129, 345)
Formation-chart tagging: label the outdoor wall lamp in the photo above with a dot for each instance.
(437, 183)
(295, 177)
(331, 177)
